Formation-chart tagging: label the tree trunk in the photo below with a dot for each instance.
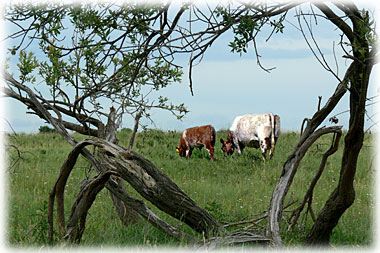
(79, 211)
(308, 136)
(76, 229)
(344, 195)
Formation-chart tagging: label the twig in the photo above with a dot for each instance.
(303, 124)
(319, 102)
(257, 219)
(18, 156)
(246, 221)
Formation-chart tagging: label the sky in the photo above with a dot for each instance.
(227, 85)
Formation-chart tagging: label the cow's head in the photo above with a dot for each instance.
(181, 151)
(227, 146)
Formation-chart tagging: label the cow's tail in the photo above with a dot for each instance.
(273, 125)
(213, 134)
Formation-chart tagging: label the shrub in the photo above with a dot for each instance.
(46, 129)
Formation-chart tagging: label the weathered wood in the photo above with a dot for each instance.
(309, 194)
(135, 127)
(290, 166)
(158, 188)
(233, 240)
(108, 132)
(113, 186)
(141, 208)
(283, 185)
(153, 185)
(126, 214)
(58, 192)
(86, 197)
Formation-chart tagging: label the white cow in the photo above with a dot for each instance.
(253, 130)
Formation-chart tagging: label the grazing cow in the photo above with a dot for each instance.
(253, 130)
(202, 136)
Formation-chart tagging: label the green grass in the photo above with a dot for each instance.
(231, 188)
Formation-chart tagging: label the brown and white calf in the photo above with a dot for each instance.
(253, 130)
(202, 136)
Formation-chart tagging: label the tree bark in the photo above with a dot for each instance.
(291, 164)
(236, 239)
(154, 186)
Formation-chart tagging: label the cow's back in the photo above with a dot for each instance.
(197, 136)
(247, 127)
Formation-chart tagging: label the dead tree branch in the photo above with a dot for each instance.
(309, 194)
(238, 238)
(305, 120)
(87, 195)
(257, 219)
(282, 187)
(137, 205)
(319, 102)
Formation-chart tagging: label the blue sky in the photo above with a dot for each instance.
(227, 85)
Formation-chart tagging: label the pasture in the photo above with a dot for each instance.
(231, 188)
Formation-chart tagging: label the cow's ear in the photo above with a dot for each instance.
(177, 149)
(222, 141)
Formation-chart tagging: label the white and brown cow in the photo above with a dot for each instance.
(253, 130)
(202, 136)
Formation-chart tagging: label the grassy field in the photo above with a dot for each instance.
(231, 188)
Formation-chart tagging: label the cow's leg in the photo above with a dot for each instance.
(265, 155)
(236, 144)
(271, 152)
(210, 150)
(241, 147)
(264, 147)
(270, 147)
(188, 153)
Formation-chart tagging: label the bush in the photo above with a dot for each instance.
(46, 129)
